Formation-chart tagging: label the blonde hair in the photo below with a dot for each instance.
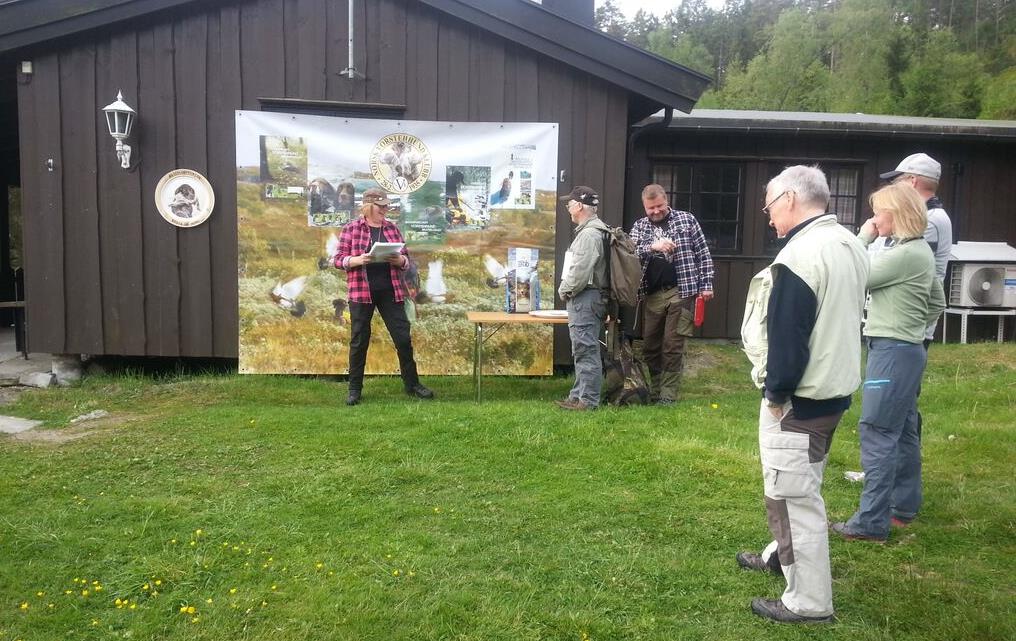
(910, 215)
(653, 191)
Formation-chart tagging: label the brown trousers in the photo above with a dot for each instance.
(666, 320)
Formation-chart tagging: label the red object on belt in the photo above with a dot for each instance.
(700, 311)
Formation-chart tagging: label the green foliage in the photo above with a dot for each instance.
(942, 81)
(684, 50)
(787, 75)
(1000, 96)
(275, 512)
(908, 57)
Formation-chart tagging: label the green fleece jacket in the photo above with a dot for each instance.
(906, 295)
(588, 265)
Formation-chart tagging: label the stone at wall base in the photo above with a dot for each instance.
(67, 368)
(37, 379)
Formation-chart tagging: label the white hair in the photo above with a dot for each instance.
(590, 210)
(809, 183)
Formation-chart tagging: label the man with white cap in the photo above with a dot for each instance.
(923, 172)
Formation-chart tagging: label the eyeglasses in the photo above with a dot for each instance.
(765, 210)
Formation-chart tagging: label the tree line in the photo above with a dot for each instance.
(939, 58)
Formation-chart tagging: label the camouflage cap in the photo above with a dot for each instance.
(375, 196)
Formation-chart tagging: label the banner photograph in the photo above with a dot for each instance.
(475, 203)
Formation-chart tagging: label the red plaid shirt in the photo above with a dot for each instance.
(355, 240)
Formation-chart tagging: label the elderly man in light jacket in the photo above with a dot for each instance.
(801, 330)
(584, 288)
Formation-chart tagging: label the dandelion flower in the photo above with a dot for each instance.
(84, 593)
(208, 600)
(95, 622)
(319, 565)
(275, 587)
(68, 591)
(172, 541)
(24, 605)
(145, 587)
(40, 594)
(195, 619)
(715, 406)
(232, 590)
(133, 606)
(158, 582)
(193, 543)
(198, 532)
(395, 573)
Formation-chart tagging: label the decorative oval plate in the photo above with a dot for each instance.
(184, 198)
(549, 313)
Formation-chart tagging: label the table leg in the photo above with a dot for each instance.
(478, 358)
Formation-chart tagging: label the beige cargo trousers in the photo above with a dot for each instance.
(794, 453)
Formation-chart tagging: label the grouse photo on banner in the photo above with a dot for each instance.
(467, 197)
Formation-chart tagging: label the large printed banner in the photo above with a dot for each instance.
(475, 202)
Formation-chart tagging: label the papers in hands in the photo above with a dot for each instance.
(380, 252)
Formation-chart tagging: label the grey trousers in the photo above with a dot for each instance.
(794, 453)
(890, 436)
(586, 313)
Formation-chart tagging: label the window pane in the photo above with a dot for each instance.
(710, 179)
(731, 180)
(709, 207)
(662, 175)
(729, 208)
(682, 178)
(681, 202)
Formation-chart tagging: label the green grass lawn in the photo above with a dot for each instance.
(275, 512)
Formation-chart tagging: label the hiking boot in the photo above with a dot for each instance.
(774, 610)
(353, 398)
(898, 522)
(566, 401)
(752, 561)
(844, 531)
(419, 391)
(666, 401)
(574, 405)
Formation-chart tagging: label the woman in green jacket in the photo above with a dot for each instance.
(906, 297)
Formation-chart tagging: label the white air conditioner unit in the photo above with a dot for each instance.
(982, 275)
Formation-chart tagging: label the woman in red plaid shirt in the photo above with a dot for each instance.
(376, 285)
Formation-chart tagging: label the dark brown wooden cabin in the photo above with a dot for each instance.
(716, 163)
(105, 275)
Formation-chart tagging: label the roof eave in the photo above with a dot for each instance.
(584, 48)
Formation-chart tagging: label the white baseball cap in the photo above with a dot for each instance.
(917, 164)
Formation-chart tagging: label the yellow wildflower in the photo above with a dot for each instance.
(84, 593)
(145, 587)
(40, 594)
(232, 590)
(208, 600)
(158, 582)
(24, 605)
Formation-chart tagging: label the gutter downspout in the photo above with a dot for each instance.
(350, 70)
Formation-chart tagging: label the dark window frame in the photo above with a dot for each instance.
(689, 195)
(772, 244)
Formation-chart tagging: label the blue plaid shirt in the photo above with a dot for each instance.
(691, 259)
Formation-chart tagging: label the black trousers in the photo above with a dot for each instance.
(394, 316)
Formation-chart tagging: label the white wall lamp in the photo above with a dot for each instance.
(120, 120)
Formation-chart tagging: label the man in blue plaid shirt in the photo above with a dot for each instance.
(678, 268)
